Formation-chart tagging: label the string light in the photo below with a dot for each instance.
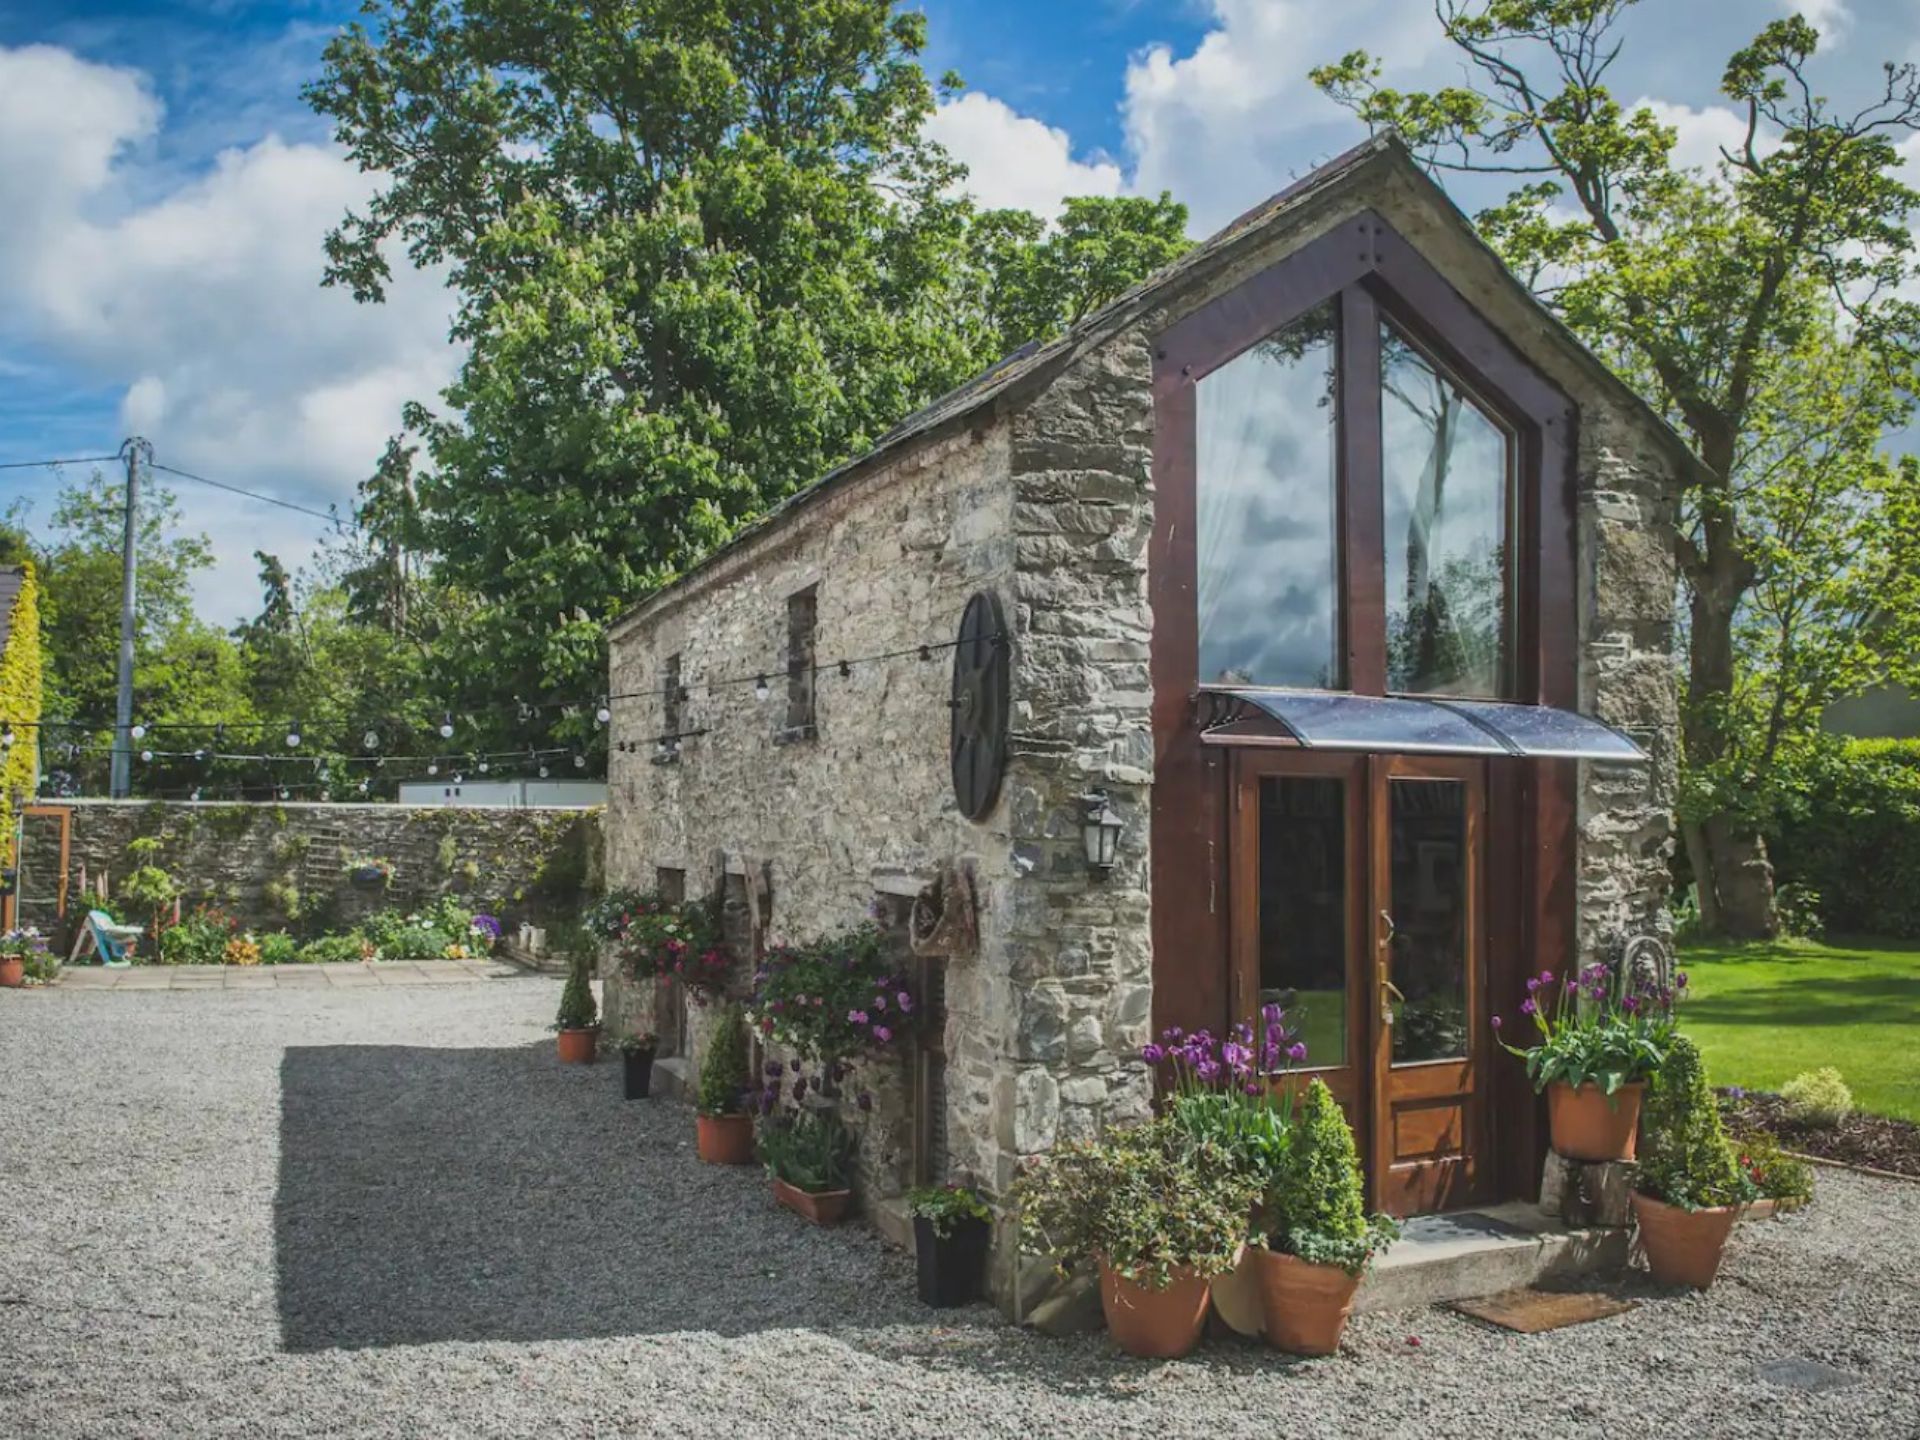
(293, 736)
(446, 726)
(579, 761)
(146, 757)
(761, 690)
(6, 739)
(139, 732)
(370, 740)
(603, 714)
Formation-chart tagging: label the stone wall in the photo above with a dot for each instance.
(280, 866)
(859, 809)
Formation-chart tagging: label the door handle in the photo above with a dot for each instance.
(1386, 935)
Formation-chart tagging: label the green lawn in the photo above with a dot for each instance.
(1763, 1013)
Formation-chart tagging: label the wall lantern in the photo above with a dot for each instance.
(1100, 828)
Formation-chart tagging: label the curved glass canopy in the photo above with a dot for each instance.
(1330, 720)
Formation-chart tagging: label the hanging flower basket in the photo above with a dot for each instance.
(369, 873)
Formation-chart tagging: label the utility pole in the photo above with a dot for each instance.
(133, 451)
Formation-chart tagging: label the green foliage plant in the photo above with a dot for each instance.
(331, 950)
(724, 1077)
(945, 1206)
(1147, 1201)
(1818, 1097)
(1685, 1157)
(277, 947)
(20, 701)
(578, 1008)
(1850, 839)
(200, 938)
(1315, 1209)
(1777, 1175)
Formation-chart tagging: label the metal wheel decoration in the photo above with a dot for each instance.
(981, 673)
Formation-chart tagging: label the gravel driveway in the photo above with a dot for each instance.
(390, 1212)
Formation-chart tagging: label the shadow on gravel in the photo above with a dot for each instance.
(435, 1194)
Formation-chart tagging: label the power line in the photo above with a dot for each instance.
(42, 464)
(332, 518)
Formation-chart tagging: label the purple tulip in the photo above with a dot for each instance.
(1153, 1054)
(1680, 980)
(1498, 1022)
(1272, 1013)
(1527, 1007)
(1533, 985)
(1297, 1051)
(1252, 1087)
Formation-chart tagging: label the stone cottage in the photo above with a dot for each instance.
(1324, 578)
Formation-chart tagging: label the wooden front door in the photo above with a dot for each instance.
(1356, 904)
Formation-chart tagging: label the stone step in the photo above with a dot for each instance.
(1466, 1254)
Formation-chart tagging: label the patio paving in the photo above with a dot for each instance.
(385, 1210)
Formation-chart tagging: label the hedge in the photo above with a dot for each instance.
(20, 711)
(1855, 840)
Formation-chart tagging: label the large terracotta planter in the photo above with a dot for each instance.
(1683, 1246)
(825, 1207)
(725, 1139)
(578, 1047)
(1589, 1124)
(13, 972)
(1154, 1324)
(1305, 1306)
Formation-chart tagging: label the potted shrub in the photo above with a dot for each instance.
(1158, 1214)
(723, 1126)
(1689, 1188)
(952, 1228)
(636, 1065)
(579, 1019)
(1319, 1238)
(1599, 1043)
(19, 950)
(809, 1154)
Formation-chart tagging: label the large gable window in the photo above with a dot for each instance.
(1354, 507)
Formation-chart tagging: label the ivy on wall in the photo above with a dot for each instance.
(20, 711)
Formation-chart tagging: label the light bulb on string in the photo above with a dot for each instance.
(446, 726)
(761, 690)
(146, 757)
(457, 779)
(283, 792)
(139, 732)
(200, 756)
(6, 738)
(543, 770)
(432, 768)
(293, 736)
(363, 787)
(604, 713)
(370, 740)
(579, 761)
(196, 793)
(484, 767)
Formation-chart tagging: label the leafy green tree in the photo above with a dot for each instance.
(1759, 304)
(703, 253)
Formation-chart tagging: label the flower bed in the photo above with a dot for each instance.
(1878, 1142)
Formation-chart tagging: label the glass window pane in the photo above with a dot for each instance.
(1368, 722)
(1444, 485)
(1268, 574)
(1427, 833)
(1303, 909)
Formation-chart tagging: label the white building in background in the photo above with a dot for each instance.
(511, 794)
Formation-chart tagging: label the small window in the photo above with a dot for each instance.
(802, 619)
(672, 693)
(670, 884)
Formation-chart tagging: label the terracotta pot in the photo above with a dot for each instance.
(578, 1047)
(1589, 1124)
(13, 972)
(1305, 1306)
(825, 1207)
(1683, 1246)
(1154, 1324)
(725, 1139)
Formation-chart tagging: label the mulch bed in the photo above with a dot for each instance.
(1876, 1141)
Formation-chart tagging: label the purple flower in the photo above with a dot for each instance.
(882, 1034)
(1271, 1013)
(774, 1067)
(1631, 1004)
(857, 1017)
(1736, 1092)
(1252, 1087)
(1546, 977)
(1153, 1054)
(1297, 1051)
(1679, 979)
(1527, 1007)
(1533, 985)
(1498, 1022)
(904, 1001)
(1237, 1057)
(796, 1066)
(879, 1002)
(864, 1101)
(1174, 1035)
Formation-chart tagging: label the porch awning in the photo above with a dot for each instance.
(1329, 720)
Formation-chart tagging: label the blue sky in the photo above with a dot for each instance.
(163, 194)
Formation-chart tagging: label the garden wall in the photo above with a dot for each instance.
(280, 866)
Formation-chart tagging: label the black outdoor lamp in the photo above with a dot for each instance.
(1100, 829)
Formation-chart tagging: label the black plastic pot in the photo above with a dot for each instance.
(951, 1269)
(636, 1068)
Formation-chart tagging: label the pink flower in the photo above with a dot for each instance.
(857, 1017)
(882, 1034)
(879, 1002)
(905, 1001)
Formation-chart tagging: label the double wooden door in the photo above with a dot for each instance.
(1358, 899)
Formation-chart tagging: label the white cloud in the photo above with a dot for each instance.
(1831, 18)
(205, 302)
(1702, 134)
(1014, 160)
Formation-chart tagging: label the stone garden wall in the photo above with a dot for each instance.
(279, 866)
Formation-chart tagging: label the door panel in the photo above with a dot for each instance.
(1426, 981)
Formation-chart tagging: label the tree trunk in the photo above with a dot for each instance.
(1732, 875)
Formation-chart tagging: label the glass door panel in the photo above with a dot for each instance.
(1427, 901)
(1303, 904)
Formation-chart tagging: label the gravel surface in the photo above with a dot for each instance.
(392, 1213)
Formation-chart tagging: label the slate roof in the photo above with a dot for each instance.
(1029, 367)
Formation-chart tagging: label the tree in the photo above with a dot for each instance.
(1710, 290)
(703, 254)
